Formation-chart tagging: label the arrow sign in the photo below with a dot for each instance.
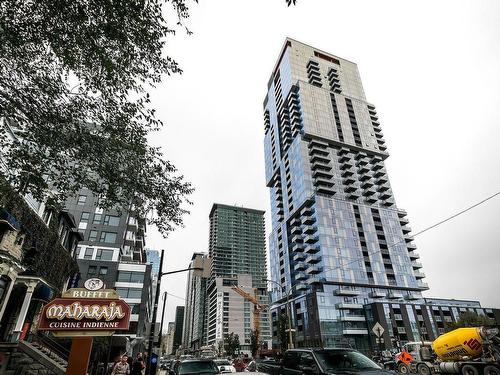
(378, 330)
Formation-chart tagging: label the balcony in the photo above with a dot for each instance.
(408, 238)
(347, 172)
(319, 158)
(313, 280)
(309, 229)
(350, 189)
(384, 195)
(348, 306)
(311, 249)
(313, 259)
(313, 270)
(325, 190)
(296, 239)
(355, 331)
(412, 296)
(376, 294)
(349, 180)
(299, 276)
(422, 285)
(367, 184)
(411, 247)
(308, 220)
(296, 230)
(322, 173)
(295, 221)
(297, 248)
(419, 275)
(310, 238)
(344, 159)
(300, 266)
(406, 229)
(394, 295)
(307, 211)
(299, 257)
(346, 291)
(416, 265)
(353, 318)
(402, 330)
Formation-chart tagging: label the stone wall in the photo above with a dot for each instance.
(23, 358)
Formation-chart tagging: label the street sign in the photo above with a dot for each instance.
(378, 330)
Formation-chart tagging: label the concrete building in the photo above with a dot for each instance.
(169, 339)
(238, 256)
(179, 328)
(195, 316)
(113, 250)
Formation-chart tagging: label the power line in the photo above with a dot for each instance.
(173, 295)
(420, 232)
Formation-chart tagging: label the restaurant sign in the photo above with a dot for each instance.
(83, 312)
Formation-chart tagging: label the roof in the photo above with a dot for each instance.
(238, 208)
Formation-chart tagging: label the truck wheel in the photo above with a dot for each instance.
(423, 369)
(403, 369)
(491, 370)
(469, 370)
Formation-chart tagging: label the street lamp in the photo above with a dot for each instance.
(155, 308)
(288, 311)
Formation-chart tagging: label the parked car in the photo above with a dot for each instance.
(322, 362)
(224, 365)
(195, 366)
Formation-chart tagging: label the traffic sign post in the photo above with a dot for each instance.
(378, 330)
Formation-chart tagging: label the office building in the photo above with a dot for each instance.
(195, 316)
(179, 328)
(168, 343)
(338, 239)
(238, 257)
(113, 250)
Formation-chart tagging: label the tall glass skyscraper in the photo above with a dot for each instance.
(338, 239)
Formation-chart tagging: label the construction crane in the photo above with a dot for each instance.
(257, 308)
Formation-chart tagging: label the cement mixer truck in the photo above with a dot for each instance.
(465, 351)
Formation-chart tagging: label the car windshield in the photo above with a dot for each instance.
(198, 368)
(222, 362)
(345, 360)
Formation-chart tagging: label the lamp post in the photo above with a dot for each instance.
(288, 312)
(158, 344)
(155, 308)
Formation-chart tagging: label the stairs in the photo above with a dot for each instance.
(62, 362)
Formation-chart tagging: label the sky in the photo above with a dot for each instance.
(432, 68)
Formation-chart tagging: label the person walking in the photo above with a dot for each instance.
(122, 367)
(138, 365)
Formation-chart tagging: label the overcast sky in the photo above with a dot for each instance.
(432, 68)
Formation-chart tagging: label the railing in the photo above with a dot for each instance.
(49, 344)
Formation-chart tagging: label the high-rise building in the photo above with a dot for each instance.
(179, 327)
(113, 250)
(169, 339)
(238, 257)
(338, 239)
(195, 314)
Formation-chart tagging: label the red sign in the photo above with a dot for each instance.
(85, 314)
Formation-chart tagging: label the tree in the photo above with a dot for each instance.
(469, 319)
(231, 344)
(73, 84)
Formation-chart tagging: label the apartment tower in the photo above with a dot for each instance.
(237, 251)
(338, 239)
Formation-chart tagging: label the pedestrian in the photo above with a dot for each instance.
(122, 367)
(138, 365)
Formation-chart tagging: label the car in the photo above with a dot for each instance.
(224, 365)
(195, 366)
(322, 362)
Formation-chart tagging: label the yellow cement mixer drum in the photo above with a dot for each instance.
(459, 343)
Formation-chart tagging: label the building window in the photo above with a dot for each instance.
(85, 217)
(112, 221)
(81, 200)
(89, 252)
(93, 235)
(103, 271)
(97, 219)
(129, 293)
(77, 252)
(103, 254)
(130, 277)
(92, 272)
(108, 237)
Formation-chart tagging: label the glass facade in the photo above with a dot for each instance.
(338, 240)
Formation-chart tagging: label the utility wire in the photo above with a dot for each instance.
(420, 232)
(173, 295)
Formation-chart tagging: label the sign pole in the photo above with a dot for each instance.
(79, 356)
